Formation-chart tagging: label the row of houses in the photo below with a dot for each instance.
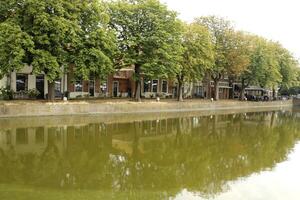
(121, 84)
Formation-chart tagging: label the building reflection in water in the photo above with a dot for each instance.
(200, 154)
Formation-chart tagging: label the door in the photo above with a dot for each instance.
(40, 83)
(115, 89)
(92, 88)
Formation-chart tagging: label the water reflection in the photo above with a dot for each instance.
(199, 154)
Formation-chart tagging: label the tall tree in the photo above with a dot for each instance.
(220, 31)
(148, 38)
(93, 54)
(270, 76)
(14, 44)
(49, 35)
(197, 55)
(238, 55)
(287, 66)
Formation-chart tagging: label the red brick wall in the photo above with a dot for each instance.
(97, 86)
(110, 85)
(85, 86)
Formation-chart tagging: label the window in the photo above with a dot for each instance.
(22, 82)
(147, 85)
(165, 86)
(78, 86)
(154, 85)
(103, 87)
(57, 87)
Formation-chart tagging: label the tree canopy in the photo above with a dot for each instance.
(197, 55)
(94, 38)
(148, 37)
(49, 35)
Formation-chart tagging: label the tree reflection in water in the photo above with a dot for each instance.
(200, 154)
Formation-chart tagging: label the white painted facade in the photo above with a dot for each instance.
(11, 80)
(3, 82)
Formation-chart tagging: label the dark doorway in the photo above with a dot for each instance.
(40, 86)
(115, 89)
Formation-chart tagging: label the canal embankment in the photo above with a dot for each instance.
(32, 108)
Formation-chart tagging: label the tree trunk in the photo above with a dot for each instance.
(216, 95)
(274, 94)
(138, 83)
(242, 92)
(180, 89)
(51, 91)
(231, 91)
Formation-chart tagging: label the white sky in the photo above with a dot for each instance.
(278, 20)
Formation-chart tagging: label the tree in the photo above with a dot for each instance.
(93, 54)
(264, 65)
(52, 34)
(13, 46)
(197, 55)
(287, 66)
(270, 76)
(148, 38)
(238, 55)
(220, 31)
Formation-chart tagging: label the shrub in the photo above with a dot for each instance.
(33, 93)
(6, 93)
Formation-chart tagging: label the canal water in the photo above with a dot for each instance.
(178, 156)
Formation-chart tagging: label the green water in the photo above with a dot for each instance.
(178, 156)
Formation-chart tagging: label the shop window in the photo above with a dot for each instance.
(22, 82)
(154, 86)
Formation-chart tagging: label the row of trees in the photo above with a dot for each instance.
(98, 37)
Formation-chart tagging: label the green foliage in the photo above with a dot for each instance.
(49, 35)
(97, 37)
(197, 55)
(13, 46)
(33, 93)
(288, 67)
(220, 30)
(197, 52)
(6, 93)
(148, 36)
(96, 48)
(238, 53)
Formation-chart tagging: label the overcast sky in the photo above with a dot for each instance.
(278, 20)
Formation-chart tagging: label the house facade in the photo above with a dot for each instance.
(121, 84)
(24, 80)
